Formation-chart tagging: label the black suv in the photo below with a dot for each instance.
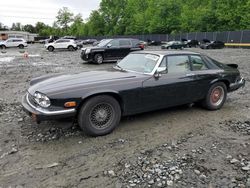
(110, 50)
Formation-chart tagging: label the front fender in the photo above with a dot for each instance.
(98, 92)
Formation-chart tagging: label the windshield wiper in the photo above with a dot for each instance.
(120, 68)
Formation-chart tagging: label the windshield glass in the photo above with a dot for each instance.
(104, 42)
(143, 63)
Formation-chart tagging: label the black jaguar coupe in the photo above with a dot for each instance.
(143, 81)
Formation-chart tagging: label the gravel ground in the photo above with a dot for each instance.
(177, 147)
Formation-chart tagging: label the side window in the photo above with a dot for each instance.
(114, 43)
(135, 43)
(198, 63)
(124, 43)
(178, 64)
(10, 40)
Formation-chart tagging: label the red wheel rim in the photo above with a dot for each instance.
(217, 96)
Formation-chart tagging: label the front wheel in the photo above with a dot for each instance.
(51, 48)
(98, 58)
(21, 46)
(216, 96)
(99, 115)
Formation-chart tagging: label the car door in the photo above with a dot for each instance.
(203, 75)
(58, 44)
(171, 88)
(125, 46)
(9, 43)
(112, 50)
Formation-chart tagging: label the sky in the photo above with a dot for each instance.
(32, 11)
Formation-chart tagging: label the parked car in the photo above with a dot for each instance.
(69, 37)
(213, 45)
(110, 50)
(143, 81)
(153, 43)
(89, 41)
(192, 43)
(174, 45)
(13, 42)
(61, 44)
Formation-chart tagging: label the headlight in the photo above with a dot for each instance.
(42, 99)
(88, 51)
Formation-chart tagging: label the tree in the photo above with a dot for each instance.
(16, 27)
(96, 24)
(29, 28)
(64, 17)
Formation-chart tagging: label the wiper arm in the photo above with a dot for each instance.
(120, 68)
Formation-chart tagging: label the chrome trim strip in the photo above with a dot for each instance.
(47, 112)
(241, 81)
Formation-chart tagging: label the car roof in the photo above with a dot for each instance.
(16, 38)
(167, 52)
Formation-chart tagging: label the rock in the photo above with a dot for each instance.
(127, 165)
(246, 168)
(177, 177)
(248, 183)
(13, 150)
(233, 161)
(111, 173)
(197, 172)
(203, 177)
(132, 185)
(151, 182)
(121, 140)
(52, 165)
(159, 184)
(170, 183)
(20, 120)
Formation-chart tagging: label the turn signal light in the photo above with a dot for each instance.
(70, 104)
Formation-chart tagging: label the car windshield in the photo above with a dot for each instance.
(104, 42)
(142, 63)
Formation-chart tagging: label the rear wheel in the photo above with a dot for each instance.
(216, 96)
(98, 58)
(99, 115)
(71, 48)
(51, 48)
(21, 46)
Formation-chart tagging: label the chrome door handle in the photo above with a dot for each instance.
(190, 74)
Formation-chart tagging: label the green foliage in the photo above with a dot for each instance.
(128, 17)
(64, 17)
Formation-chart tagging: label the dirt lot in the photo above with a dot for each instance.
(178, 147)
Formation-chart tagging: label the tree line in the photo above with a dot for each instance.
(128, 17)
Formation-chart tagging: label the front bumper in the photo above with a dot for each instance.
(237, 85)
(86, 56)
(39, 114)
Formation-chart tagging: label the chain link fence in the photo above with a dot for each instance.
(225, 36)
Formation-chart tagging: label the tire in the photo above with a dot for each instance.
(21, 46)
(98, 58)
(71, 48)
(99, 115)
(3, 47)
(51, 48)
(215, 97)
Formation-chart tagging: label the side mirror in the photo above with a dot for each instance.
(109, 45)
(159, 71)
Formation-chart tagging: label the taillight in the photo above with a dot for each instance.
(141, 46)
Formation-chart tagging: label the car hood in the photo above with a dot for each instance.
(60, 83)
(93, 48)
